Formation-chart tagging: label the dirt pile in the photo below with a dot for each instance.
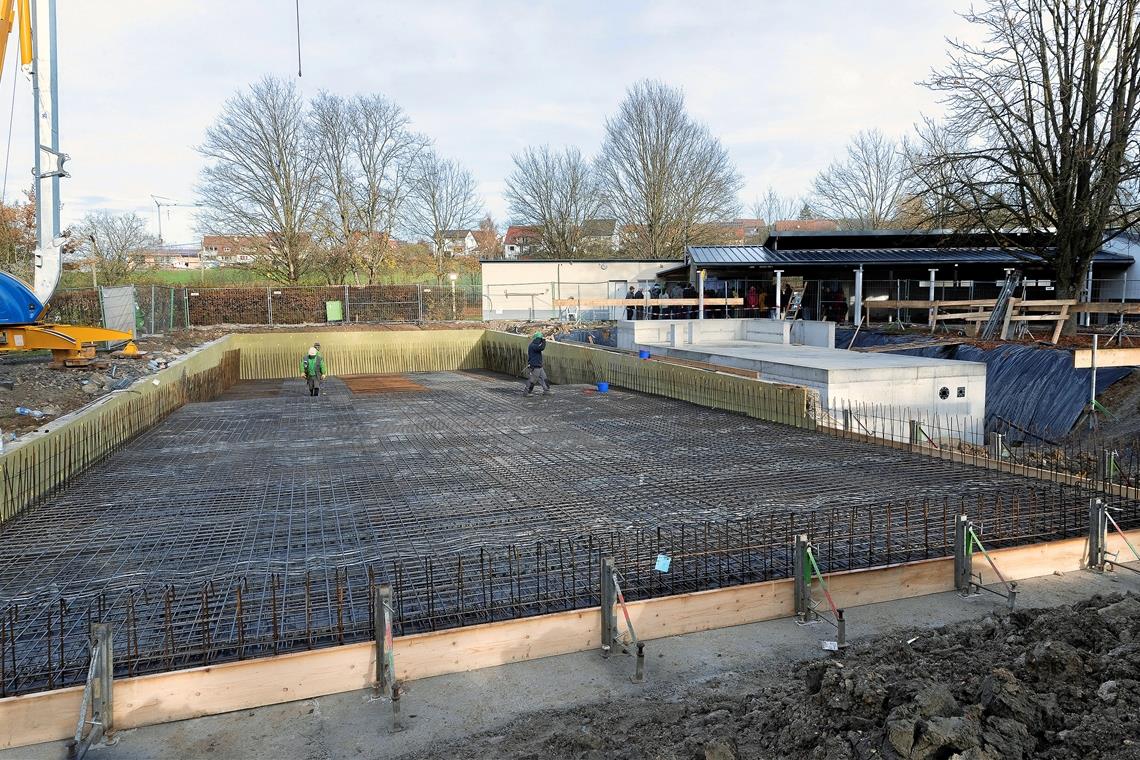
(1058, 683)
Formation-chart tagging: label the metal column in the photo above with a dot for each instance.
(1098, 534)
(779, 282)
(382, 625)
(963, 569)
(859, 295)
(801, 571)
(608, 599)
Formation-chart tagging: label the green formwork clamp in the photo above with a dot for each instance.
(334, 311)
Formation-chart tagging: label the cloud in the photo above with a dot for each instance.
(783, 84)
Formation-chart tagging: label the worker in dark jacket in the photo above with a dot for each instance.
(536, 375)
(313, 368)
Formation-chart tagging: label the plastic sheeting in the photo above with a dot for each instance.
(1033, 388)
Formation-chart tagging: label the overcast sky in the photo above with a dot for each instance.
(783, 83)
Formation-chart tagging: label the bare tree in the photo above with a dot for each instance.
(863, 190)
(488, 239)
(113, 243)
(556, 191)
(442, 198)
(365, 156)
(773, 207)
(260, 178)
(1040, 128)
(664, 175)
(18, 236)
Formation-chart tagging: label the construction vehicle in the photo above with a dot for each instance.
(23, 307)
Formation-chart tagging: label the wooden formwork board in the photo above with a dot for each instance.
(179, 695)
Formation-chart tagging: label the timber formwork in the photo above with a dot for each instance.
(259, 523)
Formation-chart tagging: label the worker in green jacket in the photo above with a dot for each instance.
(313, 367)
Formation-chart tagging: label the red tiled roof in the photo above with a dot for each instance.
(517, 231)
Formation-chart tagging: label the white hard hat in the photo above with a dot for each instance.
(312, 352)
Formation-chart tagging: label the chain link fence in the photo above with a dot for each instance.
(161, 309)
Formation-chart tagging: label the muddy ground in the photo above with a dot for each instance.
(1056, 683)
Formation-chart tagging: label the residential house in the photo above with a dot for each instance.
(521, 240)
(600, 234)
(459, 242)
(171, 258)
(230, 250)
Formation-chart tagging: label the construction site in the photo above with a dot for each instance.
(215, 518)
(645, 481)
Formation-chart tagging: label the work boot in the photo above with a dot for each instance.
(316, 391)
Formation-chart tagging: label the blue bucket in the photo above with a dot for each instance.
(643, 354)
(603, 387)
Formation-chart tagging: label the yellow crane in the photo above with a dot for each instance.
(22, 307)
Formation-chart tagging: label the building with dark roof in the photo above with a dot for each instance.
(894, 264)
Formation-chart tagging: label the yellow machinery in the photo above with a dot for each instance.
(22, 307)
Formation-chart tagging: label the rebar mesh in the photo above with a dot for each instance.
(257, 524)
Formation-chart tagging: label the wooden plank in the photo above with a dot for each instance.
(1107, 357)
(1038, 318)
(1061, 319)
(912, 304)
(1009, 309)
(1079, 308)
(1034, 305)
(1107, 308)
(178, 695)
(709, 301)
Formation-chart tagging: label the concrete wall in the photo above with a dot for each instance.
(880, 391)
(527, 289)
(809, 333)
(632, 334)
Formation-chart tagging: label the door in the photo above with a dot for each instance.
(618, 289)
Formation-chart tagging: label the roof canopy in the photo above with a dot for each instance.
(759, 255)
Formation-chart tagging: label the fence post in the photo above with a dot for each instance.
(802, 580)
(420, 296)
(963, 571)
(346, 317)
(153, 292)
(608, 599)
(269, 303)
(186, 304)
(1098, 534)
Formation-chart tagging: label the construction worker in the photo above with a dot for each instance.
(313, 367)
(536, 375)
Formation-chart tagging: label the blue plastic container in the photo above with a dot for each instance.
(603, 387)
(643, 354)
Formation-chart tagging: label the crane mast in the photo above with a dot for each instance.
(21, 305)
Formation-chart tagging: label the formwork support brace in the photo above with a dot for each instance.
(806, 570)
(966, 581)
(1100, 520)
(385, 683)
(98, 695)
(611, 596)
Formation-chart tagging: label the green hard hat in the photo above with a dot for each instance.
(537, 335)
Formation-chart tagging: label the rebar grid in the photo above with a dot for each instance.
(250, 526)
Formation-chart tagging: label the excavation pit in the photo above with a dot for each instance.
(258, 523)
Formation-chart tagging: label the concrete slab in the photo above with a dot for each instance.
(907, 387)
